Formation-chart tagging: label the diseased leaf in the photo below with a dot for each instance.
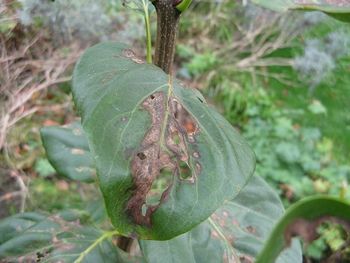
(236, 232)
(301, 219)
(339, 9)
(141, 124)
(33, 237)
(68, 151)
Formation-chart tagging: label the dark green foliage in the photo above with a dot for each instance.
(198, 187)
(234, 233)
(264, 204)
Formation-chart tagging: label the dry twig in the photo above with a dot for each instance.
(26, 72)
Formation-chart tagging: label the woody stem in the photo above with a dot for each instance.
(167, 24)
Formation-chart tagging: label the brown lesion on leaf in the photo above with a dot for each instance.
(129, 53)
(164, 147)
(251, 229)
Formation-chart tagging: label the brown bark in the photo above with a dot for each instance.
(167, 26)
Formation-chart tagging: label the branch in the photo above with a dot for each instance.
(167, 24)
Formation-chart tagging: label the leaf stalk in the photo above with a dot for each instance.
(145, 4)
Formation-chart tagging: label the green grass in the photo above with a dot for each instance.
(334, 95)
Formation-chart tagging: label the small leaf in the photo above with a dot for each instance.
(33, 237)
(288, 152)
(316, 107)
(44, 168)
(302, 218)
(236, 232)
(68, 151)
(139, 123)
(339, 9)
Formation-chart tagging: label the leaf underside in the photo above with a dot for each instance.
(140, 123)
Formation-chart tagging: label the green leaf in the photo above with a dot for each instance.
(68, 151)
(236, 232)
(34, 237)
(316, 107)
(338, 9)
(138, 122)
(183, 5)
(44, 168)
(303, 213)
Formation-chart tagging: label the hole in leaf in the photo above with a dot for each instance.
(185, 171)
(200, 99)
(176, 138)
(144, 209)
(159, 187)
(142, 156)
(152, 97)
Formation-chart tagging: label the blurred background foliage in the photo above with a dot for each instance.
(282, 79)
